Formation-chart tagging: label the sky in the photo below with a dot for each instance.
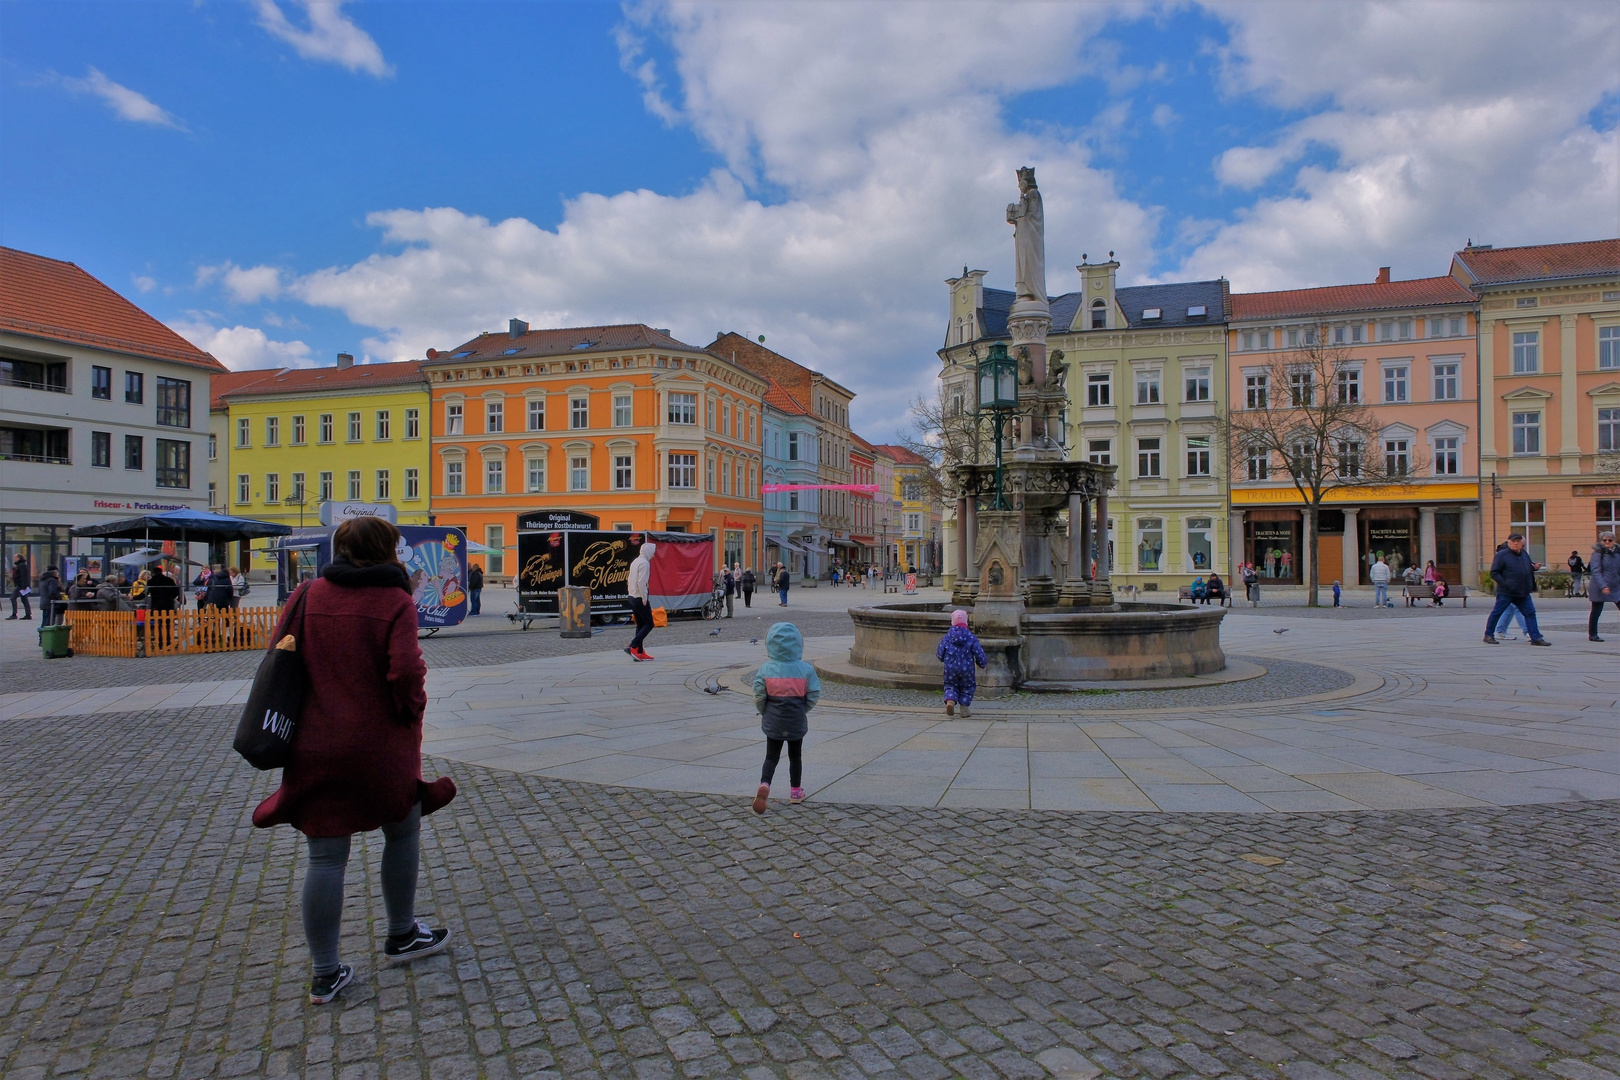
(282, 180)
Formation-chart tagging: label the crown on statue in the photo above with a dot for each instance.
(1027, 175)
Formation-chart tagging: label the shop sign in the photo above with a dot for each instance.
(554, 520)
(335, 513)
(1602, 491)
(115, 504)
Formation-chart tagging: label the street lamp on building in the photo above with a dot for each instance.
(998, 395)
(1496, 493)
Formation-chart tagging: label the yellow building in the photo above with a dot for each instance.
(304, 436)
(917, 545)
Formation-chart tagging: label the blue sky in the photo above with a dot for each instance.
(282, 181)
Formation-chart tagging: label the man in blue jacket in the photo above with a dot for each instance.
(1515, 577)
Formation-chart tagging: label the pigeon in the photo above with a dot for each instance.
(715, 689)
(1284, 630)
(714, 633)
(753, 641)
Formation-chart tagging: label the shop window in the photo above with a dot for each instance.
(1200, 544)
(1392, 540)
(1149, 544)
(1529, 519)
(1274, 547)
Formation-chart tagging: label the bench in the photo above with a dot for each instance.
(1224, 599)
(1414, 593)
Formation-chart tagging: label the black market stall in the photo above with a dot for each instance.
(185, 527)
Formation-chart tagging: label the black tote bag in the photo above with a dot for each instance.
(269, 720)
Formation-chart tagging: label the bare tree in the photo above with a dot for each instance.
(946, 433)
(1304, 418)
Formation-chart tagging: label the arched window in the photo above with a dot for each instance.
(1099, 315)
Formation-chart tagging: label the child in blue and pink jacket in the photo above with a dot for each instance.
(959, 650)
(785, 690)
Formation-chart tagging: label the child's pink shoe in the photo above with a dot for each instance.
(762, 798)
(796, 795)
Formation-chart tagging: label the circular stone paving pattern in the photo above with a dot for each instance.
(1283, 680)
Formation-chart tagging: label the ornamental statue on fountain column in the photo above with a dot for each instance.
(1028, 219)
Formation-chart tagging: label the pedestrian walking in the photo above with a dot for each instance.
(783, 579)
(221, 594)
(1378, 574)
(21, 580)
(748, 583)
(475, 590)
(356, 760)
(785, 690)
(51, 596)
(871, 576)
(728, 579)
(1577, 569)
(1515, 577)
(960, 650)
(1603, 581)
(640, 586)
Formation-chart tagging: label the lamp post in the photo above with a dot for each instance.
(998, 394)
(1496, 493)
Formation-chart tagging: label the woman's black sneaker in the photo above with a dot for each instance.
(422, 941)
(324, 988)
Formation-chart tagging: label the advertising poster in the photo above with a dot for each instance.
(436, 560)
(601, 562)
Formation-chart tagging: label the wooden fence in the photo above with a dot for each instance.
(166, 633)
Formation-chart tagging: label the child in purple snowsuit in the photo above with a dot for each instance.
(960, 650)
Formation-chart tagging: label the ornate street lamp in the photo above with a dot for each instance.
(998, 395)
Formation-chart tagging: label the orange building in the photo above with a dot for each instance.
(623, 422)
(1549, 343)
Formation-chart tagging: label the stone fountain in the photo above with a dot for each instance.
(1031, 531)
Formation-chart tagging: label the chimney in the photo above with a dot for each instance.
(345, 360)
(1383, 276)
(517, 328)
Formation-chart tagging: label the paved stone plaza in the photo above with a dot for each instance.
(1418, 880)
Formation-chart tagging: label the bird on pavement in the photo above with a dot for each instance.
(753, 641)
(1284, 630)
(715, 689)
(714, 633)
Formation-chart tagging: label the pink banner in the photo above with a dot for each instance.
(769, 488)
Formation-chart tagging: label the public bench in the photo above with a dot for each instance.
(1414, 593)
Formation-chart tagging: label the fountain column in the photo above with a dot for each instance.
(1077, 587)
(1101, 590)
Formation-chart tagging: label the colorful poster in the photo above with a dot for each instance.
(436, 560)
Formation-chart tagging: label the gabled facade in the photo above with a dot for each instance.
(827, 403)
(103, 411)
(793, 534)
(916, 546)
(1407, 350)
(624, 422)
(1549, 387)
(1144, 368)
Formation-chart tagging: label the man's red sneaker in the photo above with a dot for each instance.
(644, 655)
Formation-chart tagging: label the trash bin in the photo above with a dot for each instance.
(54, 641)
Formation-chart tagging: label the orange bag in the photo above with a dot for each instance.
(660, 617)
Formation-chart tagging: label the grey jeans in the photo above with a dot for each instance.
(323, 887)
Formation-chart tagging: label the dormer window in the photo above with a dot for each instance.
(1099, 315)
(1197, 311)
(1152, 313)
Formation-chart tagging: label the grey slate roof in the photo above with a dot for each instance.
(1173, 299)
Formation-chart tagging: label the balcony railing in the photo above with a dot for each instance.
(33, 384)
(43, 459)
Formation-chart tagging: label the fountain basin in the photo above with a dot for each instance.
(1054, 649)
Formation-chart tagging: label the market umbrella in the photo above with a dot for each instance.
(182, 525)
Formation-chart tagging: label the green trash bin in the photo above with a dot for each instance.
(55, 641)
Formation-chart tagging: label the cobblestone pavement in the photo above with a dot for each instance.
(149, 931)
(1282, 679)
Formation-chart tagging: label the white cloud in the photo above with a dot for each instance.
(241, 348)
(1165, 117)
(244, 284)
(145, 283)
(331, 35)
(129, 104)
(1439, 128)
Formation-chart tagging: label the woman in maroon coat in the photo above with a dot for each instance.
(357, 755)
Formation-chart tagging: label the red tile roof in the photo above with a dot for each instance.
(779, 399)
(899, 454)
(564, 341)
(227, 382)
(1540, 262)
(752, 356)
(57, 301)
(324, 379)
(1343, 299)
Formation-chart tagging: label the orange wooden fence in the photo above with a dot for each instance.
(166, 633)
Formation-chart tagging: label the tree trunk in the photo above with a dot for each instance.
(1313, 513)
